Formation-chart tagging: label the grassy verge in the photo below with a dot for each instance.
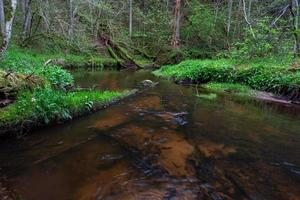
(49, 100)
(46, 105)
(279, 76)
(21, 59)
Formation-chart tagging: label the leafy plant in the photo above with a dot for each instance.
(266, 42)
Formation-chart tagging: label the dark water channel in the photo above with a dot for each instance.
(164, 143)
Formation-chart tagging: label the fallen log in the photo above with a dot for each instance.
(11, 83)
(117, 52)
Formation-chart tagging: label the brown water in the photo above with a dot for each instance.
(164, 143)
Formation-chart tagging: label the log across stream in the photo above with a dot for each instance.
(165, 143)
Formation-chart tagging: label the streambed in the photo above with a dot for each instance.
(164, 143)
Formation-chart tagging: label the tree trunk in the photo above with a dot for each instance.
(249, 9)
(27, 17)
(247, 19)
(8, 27)
(294, 9)
(229, 16)
(72, 12)
(2, 17)
(130, 18)
(44, 8)
(175, 42)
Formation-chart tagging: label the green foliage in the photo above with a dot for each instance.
(197, 53)
(202, 33)
(197, 26)
(268, 75)
(56, 76)
(47, 105)
(196, 70)
(22, 62)
(266, 42)
(50, 102)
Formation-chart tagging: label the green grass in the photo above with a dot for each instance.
(272, 75)
(22, 62)
(25, 60)
(47, 105)
(49, 101)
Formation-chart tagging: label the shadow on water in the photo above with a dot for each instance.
(165, 143)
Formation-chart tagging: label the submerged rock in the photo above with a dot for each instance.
(148, 83)
(165, 149)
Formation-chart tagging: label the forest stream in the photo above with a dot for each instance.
(163, 143)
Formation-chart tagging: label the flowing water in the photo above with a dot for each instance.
(164, 143)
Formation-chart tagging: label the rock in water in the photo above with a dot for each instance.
(148, 83)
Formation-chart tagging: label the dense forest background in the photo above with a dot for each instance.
(165, 30)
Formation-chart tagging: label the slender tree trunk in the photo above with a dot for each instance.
(294, 9)
(249, 9)
(229, 16)
(175, 42)
(2, 17)
(8, 27)
(130, 18)
(216, 11)
(44, 13)
(247, 19)
(27, 10)
(72, 12)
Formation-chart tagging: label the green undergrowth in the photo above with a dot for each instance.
(53, 99)
(85, 61)
(17, 58)
(280, 76)
(19, 61)
(47, 105)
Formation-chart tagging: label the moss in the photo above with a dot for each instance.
(7, 10)
(13, 81)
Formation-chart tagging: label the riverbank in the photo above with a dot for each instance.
(34, 94)
(47, 106)
(17, 58)
(278, 76)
